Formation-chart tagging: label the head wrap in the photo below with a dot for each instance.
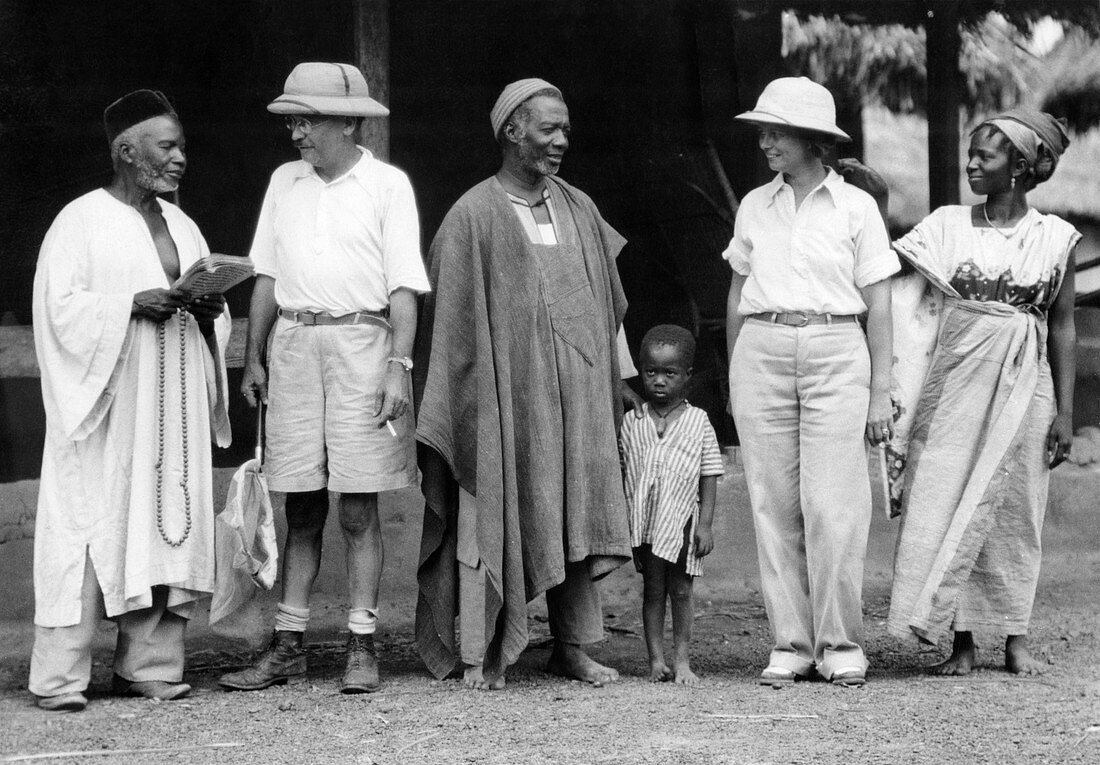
(512, 96)
(1021, 136)
(132, 108)
(1040, 138)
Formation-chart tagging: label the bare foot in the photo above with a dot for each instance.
(962, 659)
(683, 674)
(568, 660)
(474, 678)
(1018, 659)
(659, 671)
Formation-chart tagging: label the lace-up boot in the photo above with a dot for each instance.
(284, 658)
(361, 670)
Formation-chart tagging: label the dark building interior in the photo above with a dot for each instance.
(651, 89)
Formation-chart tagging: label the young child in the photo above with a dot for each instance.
(671, 465)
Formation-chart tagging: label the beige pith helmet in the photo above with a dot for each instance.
(323, 88)
(796, 102)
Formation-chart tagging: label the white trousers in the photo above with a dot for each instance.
(149, 644)
(800, 398)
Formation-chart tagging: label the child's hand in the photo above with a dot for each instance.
(704, 541)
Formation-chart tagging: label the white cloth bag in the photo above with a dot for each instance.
(246, 553)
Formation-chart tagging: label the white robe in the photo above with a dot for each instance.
(99, 372)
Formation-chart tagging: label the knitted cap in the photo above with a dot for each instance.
(132, 108)
(512, 96)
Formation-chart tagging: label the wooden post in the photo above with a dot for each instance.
(944, 101)
(372, 56)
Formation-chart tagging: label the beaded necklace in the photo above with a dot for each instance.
(182, 315)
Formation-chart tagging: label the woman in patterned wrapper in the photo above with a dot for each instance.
(986, 410)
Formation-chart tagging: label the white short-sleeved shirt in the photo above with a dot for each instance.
(814, 259)
(341, 246)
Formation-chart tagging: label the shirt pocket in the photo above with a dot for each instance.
(573, 318)
(829, 246)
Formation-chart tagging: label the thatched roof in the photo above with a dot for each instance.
(897, 146)
(862, 63)
(886, 64)
(914, 13)
(1070, 82)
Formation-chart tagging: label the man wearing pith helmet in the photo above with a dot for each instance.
(338, 262)
(519, 408)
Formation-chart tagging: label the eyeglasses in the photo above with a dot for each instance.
(303, 125)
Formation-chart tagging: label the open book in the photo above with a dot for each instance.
(214, 275)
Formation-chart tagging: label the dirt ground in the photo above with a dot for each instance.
(901, 716)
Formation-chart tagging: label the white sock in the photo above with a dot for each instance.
(363, 621)
(290, 619)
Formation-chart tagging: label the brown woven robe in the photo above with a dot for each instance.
(519, 405)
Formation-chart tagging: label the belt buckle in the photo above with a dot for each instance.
(306, 317)
(804, 319)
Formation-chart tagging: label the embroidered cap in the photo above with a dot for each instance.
(134, 107)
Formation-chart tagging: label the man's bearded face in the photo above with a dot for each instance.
(154, 177)
(543, 136)
(158, 158)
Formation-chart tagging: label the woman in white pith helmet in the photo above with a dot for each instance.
(810, 256)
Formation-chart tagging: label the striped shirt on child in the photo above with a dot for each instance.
(661, 476)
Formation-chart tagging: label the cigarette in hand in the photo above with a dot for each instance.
(389, 425)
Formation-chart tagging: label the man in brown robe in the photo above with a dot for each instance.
(519, 408)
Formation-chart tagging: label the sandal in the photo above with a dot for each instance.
(849, 677)
(777, 677)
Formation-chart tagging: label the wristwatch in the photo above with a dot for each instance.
(404, 361)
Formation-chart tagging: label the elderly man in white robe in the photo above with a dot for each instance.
(133, 383)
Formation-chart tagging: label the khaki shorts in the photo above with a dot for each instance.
(321, 427)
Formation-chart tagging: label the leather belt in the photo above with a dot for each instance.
(800, 319)
(318, 318)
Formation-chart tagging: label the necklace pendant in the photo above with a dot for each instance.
(661, 423)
